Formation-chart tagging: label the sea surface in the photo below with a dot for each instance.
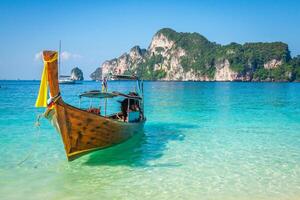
(201, 140)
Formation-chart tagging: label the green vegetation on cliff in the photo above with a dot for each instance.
(254, 55)
(200, 52)
(203, 56)
(146, 68)
(190, 56)
(295, 65)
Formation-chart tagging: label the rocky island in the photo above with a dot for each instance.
(76, 74)
(97, 74)
(176, 56)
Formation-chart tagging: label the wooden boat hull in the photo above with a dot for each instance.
(82, 131)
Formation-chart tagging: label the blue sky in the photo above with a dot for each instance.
(95, 31)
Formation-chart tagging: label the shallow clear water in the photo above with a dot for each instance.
(201, 141)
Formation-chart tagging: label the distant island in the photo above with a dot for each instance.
(180, 56)
(97, 74)
(77, 74)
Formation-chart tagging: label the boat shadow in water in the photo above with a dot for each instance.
(147, 146)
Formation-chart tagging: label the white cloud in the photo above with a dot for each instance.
(38, 56)
(65, 55)
(76, 56)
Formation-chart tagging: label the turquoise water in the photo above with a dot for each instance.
(201, 141)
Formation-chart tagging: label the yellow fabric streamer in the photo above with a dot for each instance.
(43, 92)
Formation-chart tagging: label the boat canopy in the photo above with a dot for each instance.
(97, 94)
(129, 96)
(64, 76)
(101, 95)
(124, 77)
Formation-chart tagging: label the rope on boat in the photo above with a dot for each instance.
(37, 135)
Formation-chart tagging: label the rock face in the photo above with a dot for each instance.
(97, 74)
(76, 74)
(125, 63)
(223, 71)
(272, 64)
(191, 57)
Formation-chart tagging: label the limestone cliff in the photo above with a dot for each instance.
(125, 63)
(190, 56)
(97, 74)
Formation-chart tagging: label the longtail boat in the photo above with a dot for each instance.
(85, 130)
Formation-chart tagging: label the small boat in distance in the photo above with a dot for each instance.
(88, 129)
(63, 79)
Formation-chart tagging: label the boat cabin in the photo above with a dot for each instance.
(130, 108)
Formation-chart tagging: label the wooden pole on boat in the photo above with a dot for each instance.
(105, 106)
(59, 58)
(52, 69)
(104, 89)
(128, 109)
(105, 101)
